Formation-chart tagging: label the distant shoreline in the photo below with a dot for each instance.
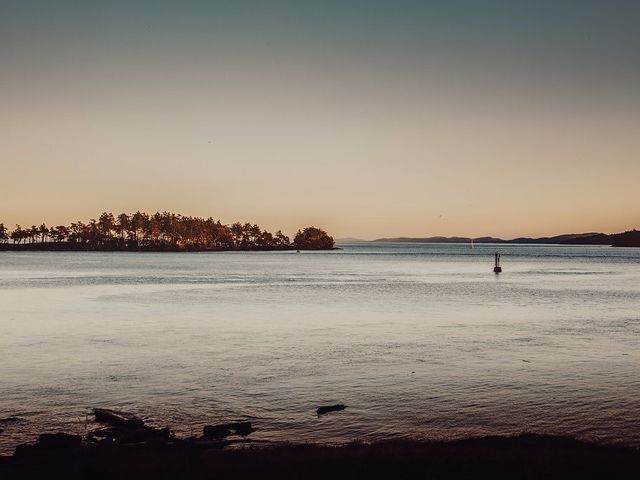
(629, 238)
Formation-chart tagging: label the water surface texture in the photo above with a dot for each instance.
(420, 341)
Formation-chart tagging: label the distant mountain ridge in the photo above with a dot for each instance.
(350, 240)
(554, 240)
(626, 239)
(630, 238)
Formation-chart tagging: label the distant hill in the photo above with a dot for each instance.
(626, 239)
(350, 240)
(440, 240)
(594, 239)
(558, 239)
(630, 238)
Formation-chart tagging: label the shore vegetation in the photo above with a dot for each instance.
(158, 232)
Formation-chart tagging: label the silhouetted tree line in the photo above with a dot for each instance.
(162, 231)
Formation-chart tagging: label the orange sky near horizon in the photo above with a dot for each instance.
(366, 125)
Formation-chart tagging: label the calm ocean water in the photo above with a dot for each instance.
(420, 341)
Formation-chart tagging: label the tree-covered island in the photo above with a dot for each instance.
(158, 232)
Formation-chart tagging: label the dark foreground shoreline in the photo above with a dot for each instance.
(121, 446)
(525, 456)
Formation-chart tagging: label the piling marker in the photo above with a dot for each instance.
(497, 268)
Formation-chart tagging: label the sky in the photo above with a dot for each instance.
(367, 118)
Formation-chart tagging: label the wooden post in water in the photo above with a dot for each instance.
(497, 268)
